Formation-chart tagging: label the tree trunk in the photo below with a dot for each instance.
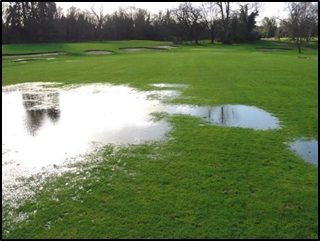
(212, 35)
(299, 46)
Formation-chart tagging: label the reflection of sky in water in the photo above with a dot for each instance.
(43, 127)
(306, 149)
(230, 115)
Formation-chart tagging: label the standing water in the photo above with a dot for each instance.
(47, 125)
(44, 125)
(306, 149)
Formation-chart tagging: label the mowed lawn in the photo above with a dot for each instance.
(204, 181)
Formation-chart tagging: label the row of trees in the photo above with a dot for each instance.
(26, 22)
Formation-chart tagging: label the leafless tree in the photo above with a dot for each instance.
(224, 8)
(99, 18)
(301, 14)
(189, 20)
(209, 13)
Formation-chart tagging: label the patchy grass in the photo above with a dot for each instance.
(205, 181)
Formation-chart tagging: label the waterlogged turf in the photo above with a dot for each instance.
(202, 180)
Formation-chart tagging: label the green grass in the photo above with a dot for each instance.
(205, 181)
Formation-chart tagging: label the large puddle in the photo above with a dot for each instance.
(306, 149)
(48, 125)
(45, 125)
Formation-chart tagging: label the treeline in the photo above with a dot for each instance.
(33, 22)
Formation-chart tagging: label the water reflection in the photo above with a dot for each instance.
(38, 106)
(306, 149)
(229, 115)
(45, 126)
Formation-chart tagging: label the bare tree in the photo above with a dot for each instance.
(209, 13)
(224, 8)
(189, 21)
(99, 19)
(269, 27)
(298, 22)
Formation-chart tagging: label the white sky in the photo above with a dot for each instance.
(269, 9)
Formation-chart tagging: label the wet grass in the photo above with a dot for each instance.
(205, 181)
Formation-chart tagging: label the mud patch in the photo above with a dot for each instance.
(306, 149)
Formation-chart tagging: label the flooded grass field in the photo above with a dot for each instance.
(177, 143)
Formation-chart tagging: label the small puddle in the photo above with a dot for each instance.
(97, 52)
(306, 149)
(229, 115)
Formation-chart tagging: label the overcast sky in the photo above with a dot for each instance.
(269, 9)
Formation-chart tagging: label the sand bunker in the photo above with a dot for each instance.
(166, 47)
(32, 55)
(97, 52)
(136, 49)
(273, 49)
(25, 60)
